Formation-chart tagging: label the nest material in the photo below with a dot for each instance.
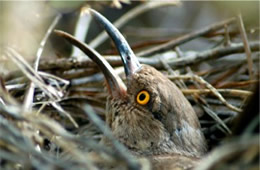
(67, 120)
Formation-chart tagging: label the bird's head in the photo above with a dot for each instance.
(149, 114)
(151, 110)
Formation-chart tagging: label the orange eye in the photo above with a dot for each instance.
(143, 97)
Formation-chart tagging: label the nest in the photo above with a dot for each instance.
(52, 115)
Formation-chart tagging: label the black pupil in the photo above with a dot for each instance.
(142, 97)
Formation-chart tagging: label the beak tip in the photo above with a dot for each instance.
(128, 57)
(91, 11)
(95, 14)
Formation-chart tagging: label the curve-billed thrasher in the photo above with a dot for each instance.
(150, 115)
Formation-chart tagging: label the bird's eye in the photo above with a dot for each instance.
(143, 97)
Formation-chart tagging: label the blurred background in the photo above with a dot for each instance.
(24, 23)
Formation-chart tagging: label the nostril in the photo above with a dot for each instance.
(128, 58)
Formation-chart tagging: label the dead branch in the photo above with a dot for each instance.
(185, 38)
(67, 64)
(228, 92)
(246, 45)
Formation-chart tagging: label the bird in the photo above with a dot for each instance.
(149, 114)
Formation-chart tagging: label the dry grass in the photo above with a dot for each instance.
(58, 125)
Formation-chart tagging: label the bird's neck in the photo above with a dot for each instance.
(186, 141)
(144, 136)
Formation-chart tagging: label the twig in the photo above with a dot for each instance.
(56, 80)
(117, 3)
(230, 92)
(212, 54)
(171, 44)
(209, 86)
(81, 30)
(98, 77)
(215, 126)
(235, 102)
(31, 74)
(225, 75)
(238, 84)
(5, 97)
(76, 73)
(38, 81)
(227, 37)
(128, 16)
(137, 46)
(180, 83)
(67, 114)
(44, 40)
(29, 94)
(203, 102)
(2, 85)
(217, 119)
(66, 64)
(151, 32)
(246, 45)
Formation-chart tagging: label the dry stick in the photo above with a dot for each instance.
(198, 98)
(78, 73)
(188, 69)
(67, 64)
(212, 54)
(30, 73)
(23, 151)
(171, 44)
(117, 4)
(208, 110)
(231, 92)
(2, 85)
(238, 84)
(81, 30)
(246, 45)
(128, 16)
(214, 127)
(148, 32)
(51, 76)
(51, 92)
(216, 117)
(98, 77)
(209, 86)
(180, 83)
(137, 45)
(29, 94)
(5, 97)
(224, 76)
(227, 37)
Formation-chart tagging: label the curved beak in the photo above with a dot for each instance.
(116, 87)
(131, 64)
